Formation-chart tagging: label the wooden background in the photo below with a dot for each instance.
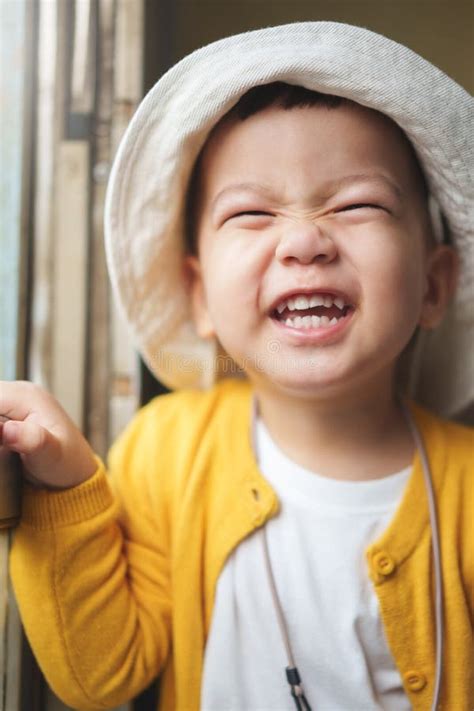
(72, 75)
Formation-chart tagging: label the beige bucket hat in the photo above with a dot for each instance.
(145, 205)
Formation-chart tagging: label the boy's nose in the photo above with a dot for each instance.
(306, 243)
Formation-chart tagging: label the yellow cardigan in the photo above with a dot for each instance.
(115, 578)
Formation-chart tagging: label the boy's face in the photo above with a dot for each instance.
(318, 202)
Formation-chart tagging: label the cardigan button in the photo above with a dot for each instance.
(414, 681)
(383, 563)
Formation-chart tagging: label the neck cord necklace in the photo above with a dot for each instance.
(291, 671)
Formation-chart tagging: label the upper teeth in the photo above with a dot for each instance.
(303, 302)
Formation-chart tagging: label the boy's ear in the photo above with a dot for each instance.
(442, 271)
(195, 285)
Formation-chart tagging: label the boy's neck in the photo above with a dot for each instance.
(359, 436)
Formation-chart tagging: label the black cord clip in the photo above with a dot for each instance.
(297, 692)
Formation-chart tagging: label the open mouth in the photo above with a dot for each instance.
(310, 311)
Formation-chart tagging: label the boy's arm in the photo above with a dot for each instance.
(90, 571)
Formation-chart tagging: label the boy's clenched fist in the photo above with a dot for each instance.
(32, 423)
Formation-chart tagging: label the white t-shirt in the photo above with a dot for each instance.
(316, 544)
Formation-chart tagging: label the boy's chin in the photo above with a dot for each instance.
(306, 384)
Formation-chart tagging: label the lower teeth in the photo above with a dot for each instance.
(307, 322)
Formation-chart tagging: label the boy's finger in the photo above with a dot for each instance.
(30, 439)
(18, 398)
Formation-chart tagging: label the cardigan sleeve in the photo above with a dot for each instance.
(90, 571)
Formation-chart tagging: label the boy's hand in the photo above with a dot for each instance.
(32, 423)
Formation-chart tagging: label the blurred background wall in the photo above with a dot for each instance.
(71, 75)
(439, 30)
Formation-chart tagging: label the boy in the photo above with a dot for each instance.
(312, 263)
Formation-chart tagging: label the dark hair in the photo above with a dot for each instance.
(258, 98)
(286, 96)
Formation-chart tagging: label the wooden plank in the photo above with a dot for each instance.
(70, 276)
(129, 51)
(82, 73)
(128, 90)
(17, 22)
(124, 376)
(14, 180)
(128, 62)
(49, 130)
(98, 337)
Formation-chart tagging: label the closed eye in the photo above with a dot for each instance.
(251, 212)
(358, 205)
